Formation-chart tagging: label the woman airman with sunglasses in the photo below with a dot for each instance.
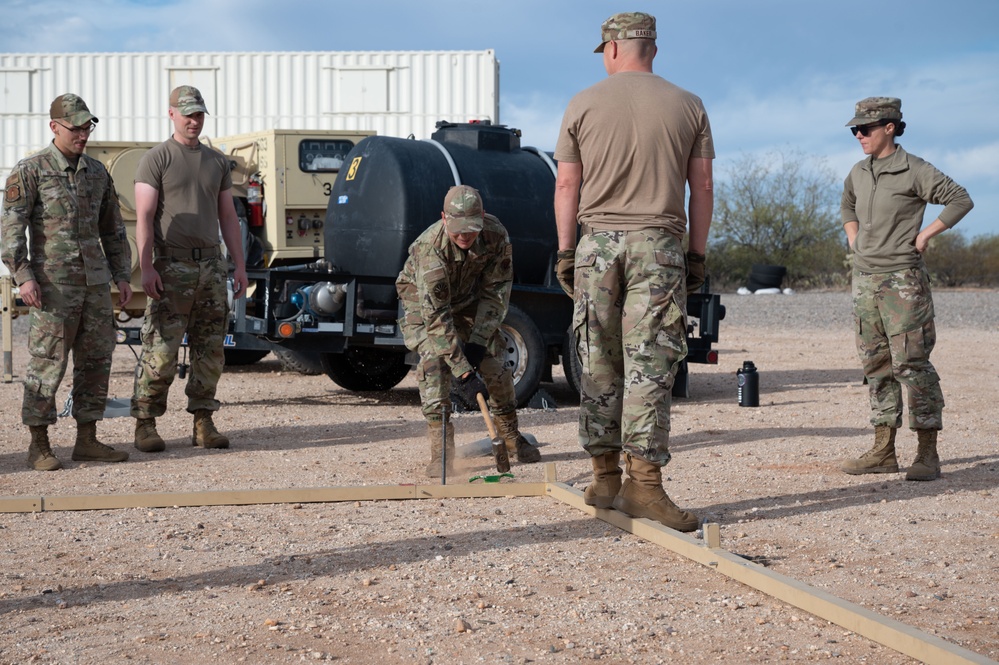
(884, 199)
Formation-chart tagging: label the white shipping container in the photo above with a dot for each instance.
(394, 93)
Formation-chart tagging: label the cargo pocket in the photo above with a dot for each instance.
(917, 344)
(580, 336)
(46, 336)
(672, 336)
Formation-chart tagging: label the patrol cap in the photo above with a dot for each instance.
(875, 109)
(626, 25)
(187, 99)
(463, 210)
(72, 109)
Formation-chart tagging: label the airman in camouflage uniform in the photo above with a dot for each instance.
(183, 199)
(623, 169)
(67, 201)
(455, 291)
(884, 198)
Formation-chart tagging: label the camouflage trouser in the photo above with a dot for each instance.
(630, 326)
(193, 301)
(434, 377)
(895, 334)
(77, 318)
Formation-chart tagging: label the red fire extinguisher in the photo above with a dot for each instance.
(255, 199)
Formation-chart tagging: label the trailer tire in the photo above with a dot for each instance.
(242, 357)
(303, 362)
(524, 353)
(362, 369)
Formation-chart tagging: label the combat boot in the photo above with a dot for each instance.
(205, 435)
(926, 466)
(89, 449)
(606, 480)
(147, 439)
(642, 495)
(879, 459)
(40, 457)
(434, 437)
(507, 428)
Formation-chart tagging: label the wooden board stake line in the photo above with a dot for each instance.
(708, 552)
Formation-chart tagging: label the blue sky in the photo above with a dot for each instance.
(775, 75)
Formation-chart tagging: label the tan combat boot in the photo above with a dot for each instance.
(926, 466)
(508, 430)
(40, 457)
(434, 436)
(147, 439)
(606, 480)
(879, 459)
(205, 435)
(642, 495)
(89, 449)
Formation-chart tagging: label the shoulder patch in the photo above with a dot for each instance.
(12, 194)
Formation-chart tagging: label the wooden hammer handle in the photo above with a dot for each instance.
(485, 415)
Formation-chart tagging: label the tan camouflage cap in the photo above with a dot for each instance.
(626, 25)
(463, 210)
(187, 99)
(72, 109)
(875, 109)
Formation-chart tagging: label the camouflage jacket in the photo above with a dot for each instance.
(444, 289)
(77, 234)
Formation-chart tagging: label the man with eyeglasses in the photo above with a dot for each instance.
(183, 201)
(884, 198)
(67, 202)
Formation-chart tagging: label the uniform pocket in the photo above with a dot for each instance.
(438, 286)
(46, 337)
(919, 342)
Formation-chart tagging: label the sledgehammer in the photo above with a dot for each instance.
(499, 446)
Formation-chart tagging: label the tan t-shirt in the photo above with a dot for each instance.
(634, 133)
(189, 180)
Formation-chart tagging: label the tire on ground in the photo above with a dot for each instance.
(363, 369)
(524, 353)
(303, 362)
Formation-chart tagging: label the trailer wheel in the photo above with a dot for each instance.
(524, 353)
(241, 357)
(303, 362)
(362, 369)
(570, 362)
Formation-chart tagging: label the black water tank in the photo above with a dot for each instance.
(392, 189)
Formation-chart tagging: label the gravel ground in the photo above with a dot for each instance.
(516, 580)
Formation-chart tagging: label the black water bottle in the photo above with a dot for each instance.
(749, 384)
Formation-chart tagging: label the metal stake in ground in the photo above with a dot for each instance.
(445, 416)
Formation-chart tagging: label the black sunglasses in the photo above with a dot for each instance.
(865, 130)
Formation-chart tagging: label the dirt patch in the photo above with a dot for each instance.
(514, 580)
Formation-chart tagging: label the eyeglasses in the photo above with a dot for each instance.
(85, 129)
(865, 130)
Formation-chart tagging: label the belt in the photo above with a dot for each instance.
(189, 254)
(587, 229)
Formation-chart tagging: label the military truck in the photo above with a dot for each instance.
(343, 307)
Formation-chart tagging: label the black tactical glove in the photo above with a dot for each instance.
(695, 271)
(474, 353)
(467, 388)
(565, 269)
